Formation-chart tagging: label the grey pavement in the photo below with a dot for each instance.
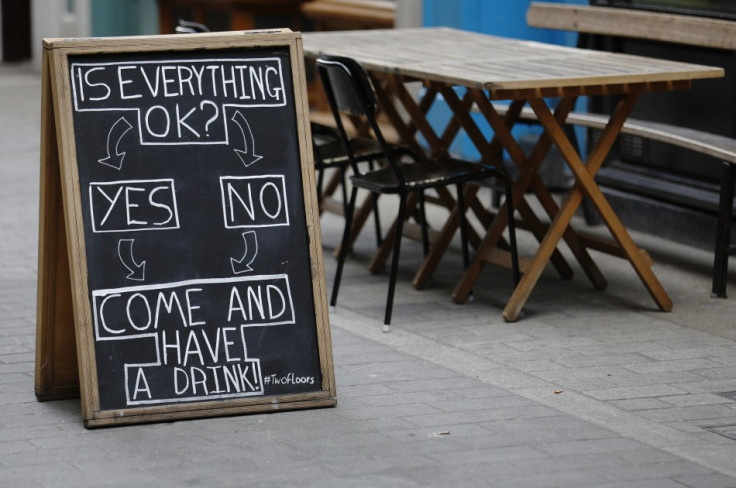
(588, 389)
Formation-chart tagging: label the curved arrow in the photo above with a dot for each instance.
(242, 265)
(114, 158)
(246, 158)
(125, 253)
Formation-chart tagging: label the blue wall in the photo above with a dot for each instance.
(124, 17)
(501, 17)
(498, 17)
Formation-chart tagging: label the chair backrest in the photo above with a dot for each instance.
(349, 91)
(352, 91)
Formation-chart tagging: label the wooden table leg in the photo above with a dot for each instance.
(528, 167)
(441, 243)
(491, 150)
(586, 185)
(532, 163)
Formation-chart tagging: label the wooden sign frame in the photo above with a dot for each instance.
(65, 352)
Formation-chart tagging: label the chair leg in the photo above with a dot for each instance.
(723, 231)
(377, 220)
(512, 231)
(343, 184)
(462, 221)
(376, 217)
(320, 184)
(344, 245)
(423, 224)
(394, 264)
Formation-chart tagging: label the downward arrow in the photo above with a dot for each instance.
(114, 158)
(243, 154)
(242, 265)
(125, 253)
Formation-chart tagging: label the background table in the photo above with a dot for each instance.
(523, 72)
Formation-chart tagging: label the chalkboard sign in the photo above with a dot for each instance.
(192, 229)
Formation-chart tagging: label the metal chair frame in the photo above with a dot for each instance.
(349, 91)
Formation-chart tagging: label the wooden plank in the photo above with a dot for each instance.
(561, 90)
(56, 375)
(163, 416)
(71, 197)
(311, 211)
(655, 26)
(207, 40)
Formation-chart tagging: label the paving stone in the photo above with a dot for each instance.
(591, 446)
(699, 412)
(715, 353)
(674, 365)
(634, 392)
(604, 360)
(673, 378)
(696, 399)
(706, 481)
(641, 403)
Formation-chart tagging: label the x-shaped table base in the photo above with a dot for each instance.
(559, 228)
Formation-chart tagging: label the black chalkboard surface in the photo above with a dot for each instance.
(187, 177)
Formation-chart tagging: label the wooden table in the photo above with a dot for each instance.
(493, 68)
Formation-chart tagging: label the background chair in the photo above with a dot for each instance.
(330, 154)
(350, 92)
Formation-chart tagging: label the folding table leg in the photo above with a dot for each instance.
(528, 167)
(585, 186)
(531, 164)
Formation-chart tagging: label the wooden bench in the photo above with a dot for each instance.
(350, 14)
(665, 27)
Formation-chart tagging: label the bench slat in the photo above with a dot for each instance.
(656, 26)
(720, 147)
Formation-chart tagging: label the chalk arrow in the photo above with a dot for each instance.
(248, 154)
(242, 265)
(114, 158)
(125, 252)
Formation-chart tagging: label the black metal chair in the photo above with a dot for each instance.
(349, 91)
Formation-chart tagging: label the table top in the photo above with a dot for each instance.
(494, 63)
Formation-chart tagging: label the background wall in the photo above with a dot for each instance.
(500, 17)
(85, 18)
(124, 17)
(503, 18)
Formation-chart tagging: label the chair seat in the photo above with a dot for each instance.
(421, 175)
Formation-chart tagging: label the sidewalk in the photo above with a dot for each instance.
(588, 389)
